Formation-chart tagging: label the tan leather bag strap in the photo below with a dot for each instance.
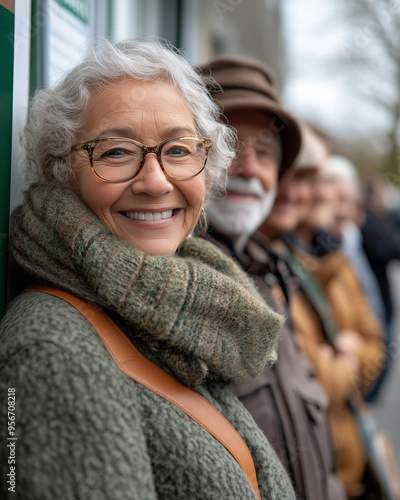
(139, 368)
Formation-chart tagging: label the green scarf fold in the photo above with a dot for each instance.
(197, 308)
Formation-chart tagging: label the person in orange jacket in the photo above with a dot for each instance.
(335, 327)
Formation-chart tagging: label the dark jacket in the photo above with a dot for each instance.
(286, 401)
(381, 242)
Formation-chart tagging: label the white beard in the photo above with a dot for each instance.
(239, 219)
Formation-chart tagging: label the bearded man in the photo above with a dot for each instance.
(286, 400)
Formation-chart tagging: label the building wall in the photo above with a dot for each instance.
(250, 28)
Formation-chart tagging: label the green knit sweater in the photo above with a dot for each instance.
(84, 429)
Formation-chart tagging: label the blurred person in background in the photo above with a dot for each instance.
(381, 238)
(348, 218)
(333, 322)
(286, 401)
(381, 243)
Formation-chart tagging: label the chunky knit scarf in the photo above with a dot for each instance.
(197, 309)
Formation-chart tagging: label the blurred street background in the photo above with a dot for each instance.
(343, 74)
(337, 63)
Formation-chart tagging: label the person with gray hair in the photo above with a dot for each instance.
(123, 152)
(348, 219)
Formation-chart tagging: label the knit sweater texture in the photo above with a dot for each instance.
(85, 430)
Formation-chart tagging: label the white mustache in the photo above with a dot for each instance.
(252, 186)
(240, 218)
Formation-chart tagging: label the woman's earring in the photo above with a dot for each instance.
(201, 226)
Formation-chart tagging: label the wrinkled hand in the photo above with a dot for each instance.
(348, 342)
(327, 353)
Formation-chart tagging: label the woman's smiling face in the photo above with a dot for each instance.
(150, 211)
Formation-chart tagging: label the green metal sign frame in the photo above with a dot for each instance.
(79, 8)
(7, 30)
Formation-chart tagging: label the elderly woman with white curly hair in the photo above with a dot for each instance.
(124, 151)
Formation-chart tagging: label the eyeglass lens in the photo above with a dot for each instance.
(118, 159)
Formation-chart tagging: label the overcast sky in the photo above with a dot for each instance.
(316, 33)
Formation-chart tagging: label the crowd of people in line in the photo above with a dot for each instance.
(234, 250)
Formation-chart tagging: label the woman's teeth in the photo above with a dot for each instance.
(149, 215)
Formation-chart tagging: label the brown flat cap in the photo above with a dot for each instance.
(247, 83)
